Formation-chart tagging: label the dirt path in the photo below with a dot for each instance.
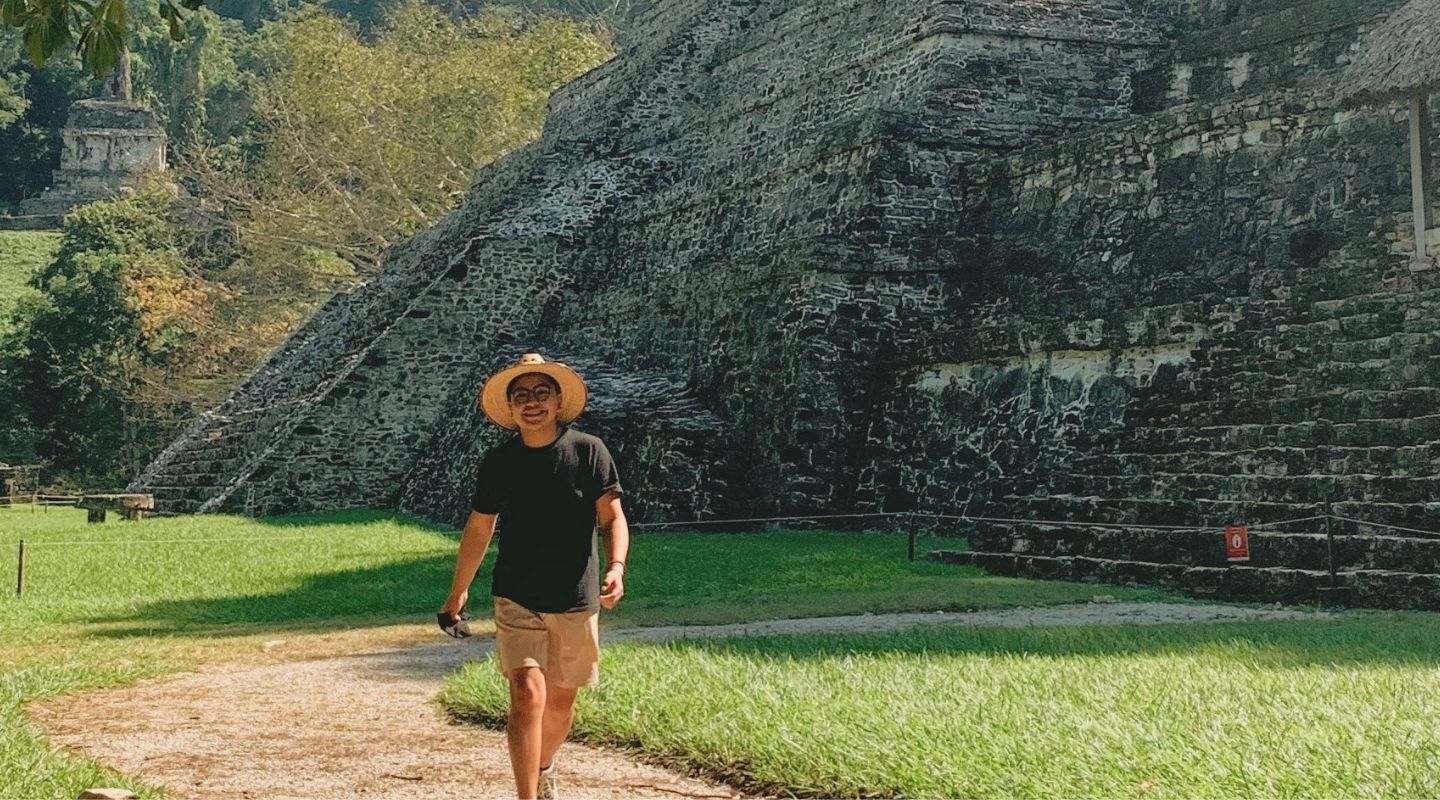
(365, 725)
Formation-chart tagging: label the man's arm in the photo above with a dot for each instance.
(615, 532)
(479, 528)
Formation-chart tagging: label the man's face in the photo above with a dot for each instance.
(535, 402)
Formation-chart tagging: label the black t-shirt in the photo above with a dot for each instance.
(545, 497)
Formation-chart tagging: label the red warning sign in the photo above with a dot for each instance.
(1237, 542)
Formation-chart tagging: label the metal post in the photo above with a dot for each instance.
(913, 530)
(1419, 171)
(20, 571)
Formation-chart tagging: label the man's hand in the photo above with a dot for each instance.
(455, 602)
(613, 587)
(452, 617)
(616, 533)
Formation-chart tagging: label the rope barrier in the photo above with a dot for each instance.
(75, 542)
(767, 519)
(749, 520)
(1076, 523)
(1295, 521)
(1197, 529)
(1387, 526)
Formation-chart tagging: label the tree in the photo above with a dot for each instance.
(12, 82)
(193, 85)
(358, 144)
(93, 362)
(30, 140)
(97, 28)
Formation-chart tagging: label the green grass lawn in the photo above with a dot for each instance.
(1341, 708)
(21, 253)
(108, 604)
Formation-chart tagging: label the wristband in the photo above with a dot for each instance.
(613, 563)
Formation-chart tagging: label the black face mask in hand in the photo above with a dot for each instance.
(456, 625)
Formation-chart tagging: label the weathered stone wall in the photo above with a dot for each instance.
(1139, 244)
(1368, 571)
(875, 254)
(733, 152)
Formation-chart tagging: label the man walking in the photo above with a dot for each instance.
(549, 488)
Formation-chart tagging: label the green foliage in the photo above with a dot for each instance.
(194, 84)
(30, 142)
(86, 359)
(97, 29)
(13, 102)
(362, 142)
(22, 253)
(1320, 708)
(316, 146)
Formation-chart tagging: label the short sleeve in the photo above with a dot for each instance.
(486, 498)
(604, 475)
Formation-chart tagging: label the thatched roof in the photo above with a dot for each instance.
(1399, 58)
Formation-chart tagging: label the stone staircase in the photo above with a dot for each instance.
(194, 476)
(1293, 567)
(224, 446)
(1330, 406)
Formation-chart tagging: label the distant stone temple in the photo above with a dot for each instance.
(16, 479)
(110, 144)
(1133, 262)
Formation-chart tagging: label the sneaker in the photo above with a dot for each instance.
(549, 785)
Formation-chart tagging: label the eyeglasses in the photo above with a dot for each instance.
(539, 394)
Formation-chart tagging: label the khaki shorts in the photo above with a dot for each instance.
(566, 646)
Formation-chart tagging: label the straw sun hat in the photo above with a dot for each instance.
(495, 401)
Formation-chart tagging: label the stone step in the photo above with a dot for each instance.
(1339, 406)
(1295, 376)
(1390, 346)
(1268, 547)
(1364, 588)
(1210, 512)
(1371, 303)
(1410, 461)
(1316, 345)
(1207, 512)
(1415, 431)
(1290, 489)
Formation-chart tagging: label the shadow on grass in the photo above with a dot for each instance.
(1360, 638)
(396, 592)
(353, 516)
(685, 579)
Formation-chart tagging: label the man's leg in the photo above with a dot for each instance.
(559, 712)
(523, 727)
(573, 660)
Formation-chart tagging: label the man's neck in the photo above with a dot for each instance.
(541, 437)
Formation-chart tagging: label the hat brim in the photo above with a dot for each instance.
(496, 405)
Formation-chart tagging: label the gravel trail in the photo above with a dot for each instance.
(366, 725)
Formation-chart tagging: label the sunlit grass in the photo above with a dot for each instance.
(1279, 709)
(203, 573)
(107, 604)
